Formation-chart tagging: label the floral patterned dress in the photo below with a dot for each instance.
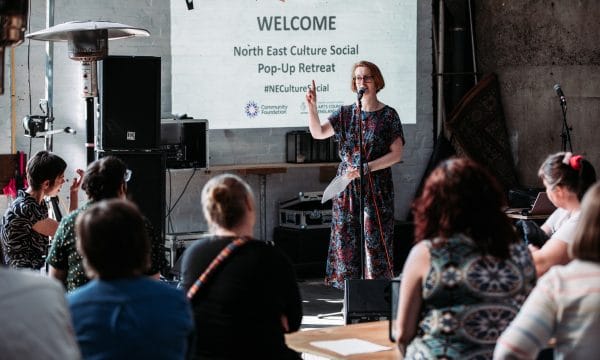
(469, 299)
(381, 128)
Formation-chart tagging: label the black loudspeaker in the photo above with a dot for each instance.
(185, 143)
(367, 300)
(146, 187)
(302, 148)
(404, 237)
(306, 248)
(129, 103)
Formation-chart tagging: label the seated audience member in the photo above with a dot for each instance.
(467, 275)
(122, 314)
(25, 226)
(565, 304)
(36, 323)
(245, 304)
(105, 178)
(566, 178)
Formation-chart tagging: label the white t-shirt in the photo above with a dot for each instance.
(562, 224)
(34, 317)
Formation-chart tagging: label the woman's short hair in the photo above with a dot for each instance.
(43, 166)
(103, 178)
(375, 72)
(225, 200)
(574, 172)
(112, 239)
(461, 196)
(586, 244)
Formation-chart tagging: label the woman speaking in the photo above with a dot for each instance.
(383, 141)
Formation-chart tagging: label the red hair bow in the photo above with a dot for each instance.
(575, 162)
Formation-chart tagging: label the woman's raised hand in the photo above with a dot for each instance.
(76, 181)
(311, 95)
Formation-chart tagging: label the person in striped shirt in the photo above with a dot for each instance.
(565, 304)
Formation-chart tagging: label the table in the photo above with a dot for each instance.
(375, 332)
(517, 213)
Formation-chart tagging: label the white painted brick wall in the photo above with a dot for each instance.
(226, 146)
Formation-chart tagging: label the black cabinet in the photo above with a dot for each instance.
(306, 248)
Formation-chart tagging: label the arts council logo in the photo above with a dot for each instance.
(251, 109)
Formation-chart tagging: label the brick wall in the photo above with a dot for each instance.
(226, 146)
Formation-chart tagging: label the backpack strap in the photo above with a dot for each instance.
(224, 254)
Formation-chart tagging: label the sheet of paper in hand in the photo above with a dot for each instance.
(337, 185)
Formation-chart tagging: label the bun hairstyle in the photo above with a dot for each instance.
(225, 201)
(573, 172)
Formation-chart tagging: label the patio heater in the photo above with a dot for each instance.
(88, 43)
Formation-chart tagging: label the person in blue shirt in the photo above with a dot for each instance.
(122, 314)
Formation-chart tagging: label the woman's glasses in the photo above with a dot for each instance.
(366, 78)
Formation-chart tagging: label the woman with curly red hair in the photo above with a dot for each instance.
(468, 273)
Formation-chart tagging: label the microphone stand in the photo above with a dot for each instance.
(362, 186)
(358, 115)
(566, 129)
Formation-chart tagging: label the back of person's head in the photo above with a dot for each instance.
(43, 166)
(112, 239)
(586, 244)
(104, 178)
(573, 172)
(225, 201)
(461, 196)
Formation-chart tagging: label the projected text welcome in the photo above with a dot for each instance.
(296, 23)
(252, 61)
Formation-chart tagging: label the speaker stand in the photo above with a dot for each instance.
(89, 129)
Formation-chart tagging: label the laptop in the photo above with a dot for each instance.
(541, 206)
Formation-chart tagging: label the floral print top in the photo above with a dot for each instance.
(469, 299)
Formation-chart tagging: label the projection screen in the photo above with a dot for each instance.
(246, 64)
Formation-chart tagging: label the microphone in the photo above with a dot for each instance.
(560, 94)
(360, 93)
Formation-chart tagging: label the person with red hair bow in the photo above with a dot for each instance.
(566, 178)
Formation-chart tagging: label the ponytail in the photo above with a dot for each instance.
(574, 172)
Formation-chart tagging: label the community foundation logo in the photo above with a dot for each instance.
(251, 109)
